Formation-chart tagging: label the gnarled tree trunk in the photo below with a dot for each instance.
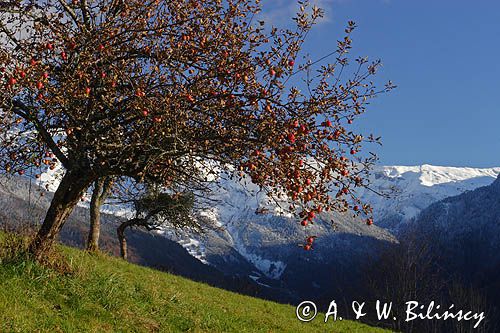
(121, 234)
(102, 186)
(67, 195)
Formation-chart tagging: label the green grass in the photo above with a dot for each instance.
(105, 294)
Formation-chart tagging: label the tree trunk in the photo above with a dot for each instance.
(67, 195)
(121, 234)
(102, 186)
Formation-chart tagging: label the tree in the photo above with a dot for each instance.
(154, 209)
(100, 192)
(162, 90)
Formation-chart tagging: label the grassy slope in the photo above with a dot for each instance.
(104, 294)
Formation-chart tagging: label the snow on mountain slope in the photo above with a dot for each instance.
(410, 189)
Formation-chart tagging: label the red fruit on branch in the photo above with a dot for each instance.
(308, 181)
(45, 75)
(49, 46)
(39, 85)
(22, 74)
(64, 56)
(87, 91)
(291, 137)
(328, 123)
(12, 81)
(349, 121)
(353, 151)
(291, 63)
(21, 172)
(310, 240)
(100, 48)
(145, 113)
(33, 62)
(304, 223)
(355, 208)
(307, 247)
(369, 221)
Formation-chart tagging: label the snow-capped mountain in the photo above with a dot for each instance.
(269, 242)
(410, 189)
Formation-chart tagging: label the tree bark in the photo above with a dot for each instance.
(121, 234)
(67, 195)
(102, 187)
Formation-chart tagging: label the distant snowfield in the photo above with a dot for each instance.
(412, 188)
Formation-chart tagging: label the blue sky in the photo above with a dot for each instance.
(445, 58)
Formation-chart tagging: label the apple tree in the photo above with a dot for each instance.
(154, 89)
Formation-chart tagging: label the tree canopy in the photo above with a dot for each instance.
(166, 90)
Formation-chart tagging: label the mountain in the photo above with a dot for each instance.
(268, 240)
(271, 241)
(410, 189)
(465, 229)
